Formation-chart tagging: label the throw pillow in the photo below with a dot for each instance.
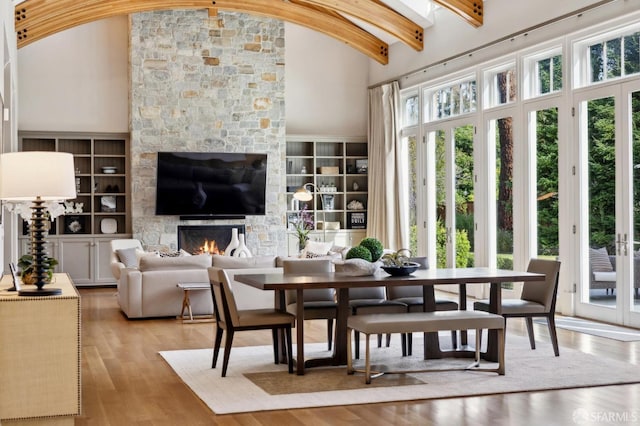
(128, 256)
(316, 247)
(599, 260)
(170, 254)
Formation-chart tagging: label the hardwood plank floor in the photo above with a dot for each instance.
(126, 382)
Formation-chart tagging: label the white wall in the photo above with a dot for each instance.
(78, 80)
(325, 85)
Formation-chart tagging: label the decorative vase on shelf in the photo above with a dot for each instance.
(242, 250)
(233, 244)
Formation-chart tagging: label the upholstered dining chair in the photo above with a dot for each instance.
(536, 300)
(373, 300)
(232, 319)
(318, 303)
(412, 297)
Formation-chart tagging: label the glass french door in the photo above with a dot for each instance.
(608, 129)
(450, 146)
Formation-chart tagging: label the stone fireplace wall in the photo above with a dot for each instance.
(201, 83)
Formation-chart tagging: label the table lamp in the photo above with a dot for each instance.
(303, 194)
(38, 177)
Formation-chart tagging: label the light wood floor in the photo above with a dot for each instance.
(125, 381)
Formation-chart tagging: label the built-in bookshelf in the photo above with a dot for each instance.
(338, 170)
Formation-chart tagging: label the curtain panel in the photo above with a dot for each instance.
(388, 215)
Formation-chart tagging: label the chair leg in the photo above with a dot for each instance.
(274, 334)
(289, 349)
(454, 339)
(379, 340)
(403, 342)
(227, 352)
(551, 322)
(388, 342)
(532, 340)
(356, 339)
(216, 346)
(329, 333)
(409, 343)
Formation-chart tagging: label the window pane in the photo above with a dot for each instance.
(544, 76)
(547, 181)
(597, 62)
(464, 196)
(632, 54)
(505, 86)
(556, 72)
(413, 204)
(614, 58)
(504, 193)
(411, 111)
(600, 128)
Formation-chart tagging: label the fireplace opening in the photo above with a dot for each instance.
(212, 239)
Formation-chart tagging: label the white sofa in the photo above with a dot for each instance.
(150, 290)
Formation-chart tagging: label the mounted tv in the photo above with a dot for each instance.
(201, 184)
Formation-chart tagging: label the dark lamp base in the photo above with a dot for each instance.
(40, 292)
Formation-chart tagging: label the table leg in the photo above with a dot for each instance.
(185, 298)
(281, 305)
(431, 341)
(462, 300)
(188, 302)
(299, 332)
(340, 343)
(495, 306)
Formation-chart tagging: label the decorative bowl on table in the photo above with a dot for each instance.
(401, 271)
(109, 169)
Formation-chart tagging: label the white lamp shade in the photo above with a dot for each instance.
(30, 174)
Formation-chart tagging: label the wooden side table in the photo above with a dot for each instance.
(186, 303)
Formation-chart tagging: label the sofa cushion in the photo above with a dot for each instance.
(604, 276)
(599, 260)
(129, 256)
(230, 262)
(153, 263)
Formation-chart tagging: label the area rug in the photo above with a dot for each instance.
(594, 328)
(255, 383)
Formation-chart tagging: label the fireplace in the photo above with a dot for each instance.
(212, 239)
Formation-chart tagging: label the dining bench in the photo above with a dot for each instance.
(414, 322)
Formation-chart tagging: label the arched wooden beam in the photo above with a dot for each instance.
(471, 10)
(37, 19)
(378, 15)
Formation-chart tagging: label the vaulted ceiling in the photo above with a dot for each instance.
(37, 19)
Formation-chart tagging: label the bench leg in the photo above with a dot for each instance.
(501, 366)
(350, 369)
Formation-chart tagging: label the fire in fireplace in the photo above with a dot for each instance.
(212, 239)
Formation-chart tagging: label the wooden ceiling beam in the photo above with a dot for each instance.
(471, 10)
(378, 15)
(37, 19)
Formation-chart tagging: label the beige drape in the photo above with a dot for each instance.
(388, 215)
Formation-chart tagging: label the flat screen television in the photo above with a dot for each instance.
(211, 184)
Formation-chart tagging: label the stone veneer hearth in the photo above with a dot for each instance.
(201, 83)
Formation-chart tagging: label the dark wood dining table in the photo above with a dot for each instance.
(426, 278)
